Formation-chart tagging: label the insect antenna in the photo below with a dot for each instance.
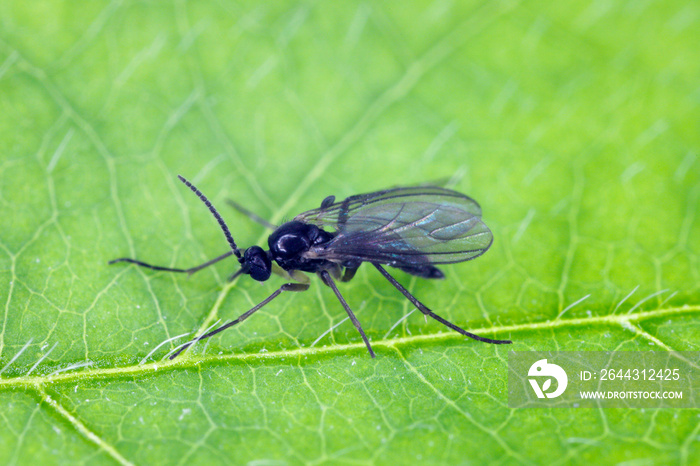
(189, 271)
(216, 215)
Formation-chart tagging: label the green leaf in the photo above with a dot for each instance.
(575, 125)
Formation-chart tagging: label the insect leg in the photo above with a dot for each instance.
(349, 269)
(328, 280)
(189, 271)
(430, 313)
(235, 274)
(244, 316)
(349, 273)
(290, 275)
(251, 215)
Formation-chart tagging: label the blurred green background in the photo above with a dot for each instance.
(575, 125)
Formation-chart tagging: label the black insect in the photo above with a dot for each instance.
(409, 228)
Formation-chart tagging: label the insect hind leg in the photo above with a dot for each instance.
(349, 269)
(422, 307)
(348, 274)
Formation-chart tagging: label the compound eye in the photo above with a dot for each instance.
(258, 263)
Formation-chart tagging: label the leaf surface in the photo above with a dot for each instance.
(574, 126)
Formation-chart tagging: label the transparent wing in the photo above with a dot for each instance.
(410, 227)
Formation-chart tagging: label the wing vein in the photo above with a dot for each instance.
(402, 227)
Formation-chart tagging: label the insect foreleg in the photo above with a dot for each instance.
(189, 271)
(328, 280)
(421, 307)
(291, 275)
(244, 316)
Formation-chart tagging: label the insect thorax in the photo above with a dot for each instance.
(290, 241)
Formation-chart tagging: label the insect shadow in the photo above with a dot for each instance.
(409, 228)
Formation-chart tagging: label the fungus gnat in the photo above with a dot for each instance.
(411, 229)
